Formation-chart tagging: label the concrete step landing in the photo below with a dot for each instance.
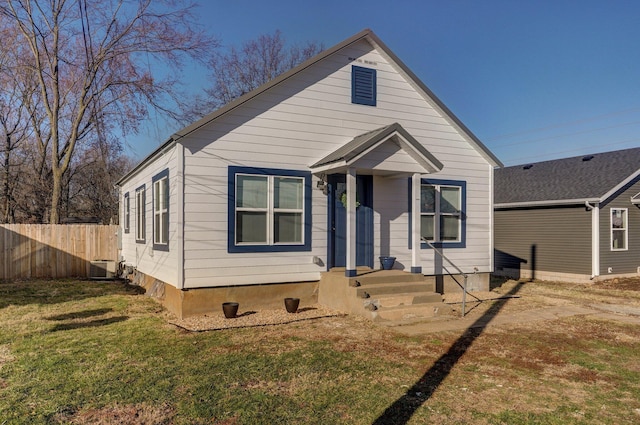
(383, 295)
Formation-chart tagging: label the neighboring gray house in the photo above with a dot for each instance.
(345, 158)
(571, 219)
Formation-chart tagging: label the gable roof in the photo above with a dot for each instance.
(592, 178)
(373, 40)
(364, 143)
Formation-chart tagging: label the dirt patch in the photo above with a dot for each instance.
(626, 284)
(5, 355)
(117, 415)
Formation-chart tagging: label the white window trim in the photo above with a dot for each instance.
(140, 214)
(127, 213)
(626, 229)
(271, 210)
(159, 232)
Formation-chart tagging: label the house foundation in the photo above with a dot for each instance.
(199, 301)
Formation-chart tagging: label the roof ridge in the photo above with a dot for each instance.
(569, 158)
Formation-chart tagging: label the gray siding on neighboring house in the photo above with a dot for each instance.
(554, 239)
(626, 261)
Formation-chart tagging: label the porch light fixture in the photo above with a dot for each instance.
(322, 184)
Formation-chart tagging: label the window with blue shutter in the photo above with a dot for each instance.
(363, 86)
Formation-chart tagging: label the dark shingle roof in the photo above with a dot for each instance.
(577, 178)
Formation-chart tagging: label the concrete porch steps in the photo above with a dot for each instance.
(383, 295)
(380, 289)
(410, 313)
(408, 298)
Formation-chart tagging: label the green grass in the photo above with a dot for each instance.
(84, 352)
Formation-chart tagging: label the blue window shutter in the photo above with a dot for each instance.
(363, 86)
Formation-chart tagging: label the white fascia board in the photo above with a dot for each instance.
(166, 146)
(621, 185)
(546, 203)
(331, 167)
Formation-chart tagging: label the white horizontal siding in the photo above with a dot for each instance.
(159, 264)
(292, 126)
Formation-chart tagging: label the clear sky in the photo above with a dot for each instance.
(533, 80)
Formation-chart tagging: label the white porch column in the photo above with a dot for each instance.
(415, 223)
(351, 223)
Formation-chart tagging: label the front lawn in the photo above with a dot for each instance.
(87, 352)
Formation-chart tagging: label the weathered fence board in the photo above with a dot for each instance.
(54, 250)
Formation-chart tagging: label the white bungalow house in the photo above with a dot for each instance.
(341, 160)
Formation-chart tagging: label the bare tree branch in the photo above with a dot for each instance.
(91, 62)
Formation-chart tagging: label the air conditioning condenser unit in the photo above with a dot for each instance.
(102, 269)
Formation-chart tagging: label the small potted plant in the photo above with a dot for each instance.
(387, 262)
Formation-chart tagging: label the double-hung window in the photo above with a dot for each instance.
(269, 210)
(127, 217)
(161, 211)
(619, 229)
(141, 223)
(442, 206)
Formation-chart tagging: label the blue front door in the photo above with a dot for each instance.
(337, 246)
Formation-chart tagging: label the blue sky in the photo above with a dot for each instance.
(533, 80)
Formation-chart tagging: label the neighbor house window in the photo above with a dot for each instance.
(127, 216)
(269, 209)
(363, 86)
(161, 211)
(619, 229)
(141, 222)
(442, 212)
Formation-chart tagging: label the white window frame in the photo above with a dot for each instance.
(625, 229)
(127, 213)
(270, 210)
(437, 214)
(141, 231)
(160, 211)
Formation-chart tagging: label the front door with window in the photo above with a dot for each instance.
(337, 246)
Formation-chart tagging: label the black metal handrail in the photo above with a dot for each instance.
(464, 275)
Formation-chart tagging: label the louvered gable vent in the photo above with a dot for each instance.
(363, 85)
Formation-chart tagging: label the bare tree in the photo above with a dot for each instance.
(91, 60)
(89, 191)
(239, 70)
(14, 120)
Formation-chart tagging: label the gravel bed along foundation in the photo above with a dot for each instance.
(246, 319)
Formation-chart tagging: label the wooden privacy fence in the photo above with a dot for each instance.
(54, 250)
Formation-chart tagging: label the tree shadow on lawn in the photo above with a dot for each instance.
(54, 291)
(401, 411)
(91, 324)
(80, 314)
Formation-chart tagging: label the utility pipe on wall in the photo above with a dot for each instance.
(595, 237)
